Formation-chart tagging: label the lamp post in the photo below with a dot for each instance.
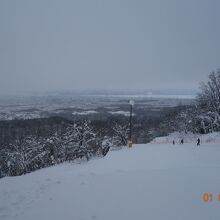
(131, 102)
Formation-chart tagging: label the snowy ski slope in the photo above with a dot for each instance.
(149, 181)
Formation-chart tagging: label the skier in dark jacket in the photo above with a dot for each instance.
(198, 142)
(181, 142)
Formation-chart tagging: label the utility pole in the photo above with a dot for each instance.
(131, 102)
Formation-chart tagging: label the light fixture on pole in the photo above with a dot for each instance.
(131, 102)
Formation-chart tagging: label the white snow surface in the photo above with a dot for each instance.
(85, 112)
(149, 181)
(125, 113)
(189, 138)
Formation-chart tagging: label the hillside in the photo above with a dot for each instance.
(150, 181)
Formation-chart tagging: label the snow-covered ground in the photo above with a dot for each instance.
(85, 112)
(189, 138)
(149, 181)
(125, 113)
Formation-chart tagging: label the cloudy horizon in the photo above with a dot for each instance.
(67, 45)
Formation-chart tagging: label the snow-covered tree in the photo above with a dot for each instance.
(79, 141)
(209, 97)
(27, 154)
(120, 134)
(208, 104)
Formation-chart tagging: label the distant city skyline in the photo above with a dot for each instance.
(54, 45)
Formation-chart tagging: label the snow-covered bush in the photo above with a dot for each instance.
(33, 152)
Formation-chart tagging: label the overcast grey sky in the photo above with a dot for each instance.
(69, 44)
